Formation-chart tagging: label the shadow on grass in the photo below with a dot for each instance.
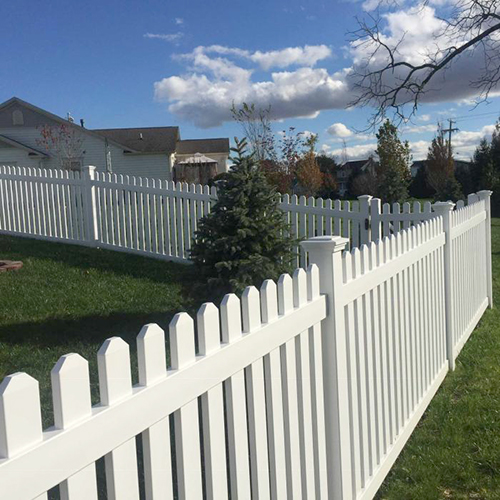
(16, 248)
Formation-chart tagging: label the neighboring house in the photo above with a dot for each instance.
(350, 168)
(142, 152)
(460, 166)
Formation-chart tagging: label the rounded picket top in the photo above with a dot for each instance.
(269, 301)
(151, 354)
(230, 310)
(250, 303)
(312, 282)
(208, 322)
(299, 287)
(182, 345)
(20, 414)
(285, 294)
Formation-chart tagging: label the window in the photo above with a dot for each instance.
(17, 117)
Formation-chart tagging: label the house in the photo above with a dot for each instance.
(350, 168)
(460, 166)
(33, 137)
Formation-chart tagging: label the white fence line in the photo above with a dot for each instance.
(159, 218)
(308, 395)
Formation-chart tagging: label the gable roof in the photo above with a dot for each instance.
(143, 139)
(20, 145)
(205, 146)
(48, 114)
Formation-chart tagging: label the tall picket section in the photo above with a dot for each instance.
(44, 204)
(239, 389)
(468, 267)
(385, 355)
(149, 216)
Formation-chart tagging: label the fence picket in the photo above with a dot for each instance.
(71, 397)
(187, 436)
(152, 364)
(115, 382)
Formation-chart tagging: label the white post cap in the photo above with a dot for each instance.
(325, 243)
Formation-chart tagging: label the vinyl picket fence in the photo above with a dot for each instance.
(308, 388)
(159, 218)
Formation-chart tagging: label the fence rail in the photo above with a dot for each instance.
(309, 388)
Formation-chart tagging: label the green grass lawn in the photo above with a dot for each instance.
(69, 299)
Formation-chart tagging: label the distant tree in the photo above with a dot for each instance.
(486, 165)
(65, 142)
(440, 167)
(362, 183)
(419, 187)
(329, 167)
(393, 173)
(243, 240)
(256, 126)
(309, 178)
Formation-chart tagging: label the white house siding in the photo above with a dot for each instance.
(147, 165)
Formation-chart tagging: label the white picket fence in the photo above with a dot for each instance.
(307, 389)
(159, 218)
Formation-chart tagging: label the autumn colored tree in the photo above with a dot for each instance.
(64, 141)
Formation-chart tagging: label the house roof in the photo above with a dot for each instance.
(196, 159)
(20, 145)
(143, 139)
(205, 146)
(48, 114)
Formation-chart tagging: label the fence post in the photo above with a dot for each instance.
(364, 210)
(375, 221)
(485, 195)
(444, 209)
(325, 252)
(89, 205)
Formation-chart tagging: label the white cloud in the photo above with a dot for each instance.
(217, 76)
(207, 101)
(179, 21)
(168, 37)
(358, 152)
(339, 130)
(419, 129)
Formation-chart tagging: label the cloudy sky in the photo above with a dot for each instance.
(152, 63)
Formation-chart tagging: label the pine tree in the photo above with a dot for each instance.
(243, 240)
(393, 175)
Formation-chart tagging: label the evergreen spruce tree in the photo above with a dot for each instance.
(393, 175)
(243, 240)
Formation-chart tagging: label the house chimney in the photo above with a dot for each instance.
(82, 122)
(70, 118)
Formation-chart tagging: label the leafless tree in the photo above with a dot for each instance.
(389, 82)
(65, 142)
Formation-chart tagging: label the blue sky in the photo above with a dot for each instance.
(101, 61)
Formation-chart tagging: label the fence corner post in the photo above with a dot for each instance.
(326, 253)
(485, 196)
(364, 210)
(90, 208)
(444, 208)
